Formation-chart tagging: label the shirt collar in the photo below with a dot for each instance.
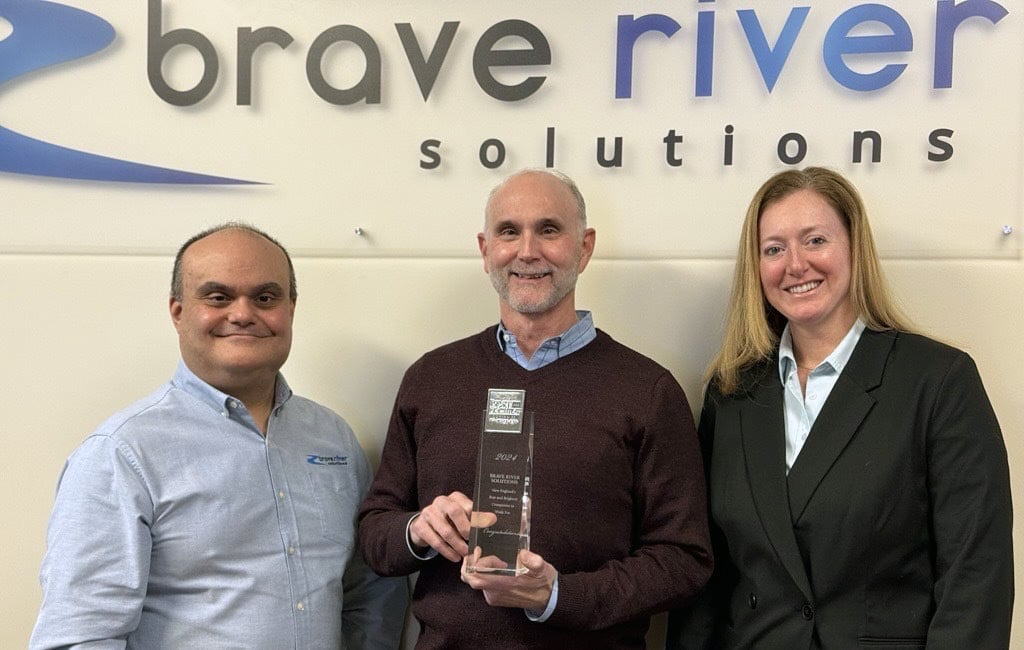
(569, 341)
(836, 360)
(187, 381)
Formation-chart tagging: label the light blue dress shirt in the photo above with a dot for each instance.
(178, 525)
(802, 407)
(551, 349)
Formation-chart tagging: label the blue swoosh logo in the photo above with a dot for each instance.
(45, 34)
(317, 459)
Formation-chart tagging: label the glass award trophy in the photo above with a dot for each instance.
(500, 522)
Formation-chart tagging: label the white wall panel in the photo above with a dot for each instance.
(85, 265)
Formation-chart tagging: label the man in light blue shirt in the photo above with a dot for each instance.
(218, 512)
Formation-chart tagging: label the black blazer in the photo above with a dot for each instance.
(893, 527)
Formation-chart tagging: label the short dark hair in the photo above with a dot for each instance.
(177, 290)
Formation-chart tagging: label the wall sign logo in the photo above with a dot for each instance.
(45, 34)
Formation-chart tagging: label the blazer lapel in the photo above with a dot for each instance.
(764, 447)
(842, 414)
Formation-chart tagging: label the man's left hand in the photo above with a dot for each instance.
(531, 590)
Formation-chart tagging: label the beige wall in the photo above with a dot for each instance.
(84, 265)
(84, 336)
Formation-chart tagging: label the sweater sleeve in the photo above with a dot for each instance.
(373, 614)
(393, 498)
(693, 627)
(670, 559)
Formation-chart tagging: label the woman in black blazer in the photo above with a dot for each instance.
(858, 481)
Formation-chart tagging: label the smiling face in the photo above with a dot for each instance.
(234, 317)
(805, 264)
(534, 246)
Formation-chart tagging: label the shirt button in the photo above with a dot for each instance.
(291, 550)
(280, 494)
(752, 601)
(807, 611)
(300, 606)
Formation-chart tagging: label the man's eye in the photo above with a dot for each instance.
(266, 298)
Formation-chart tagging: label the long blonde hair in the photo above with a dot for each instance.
(753, 326)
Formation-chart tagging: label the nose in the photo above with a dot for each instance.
(528, 246)
(242, 312)
(796, 264)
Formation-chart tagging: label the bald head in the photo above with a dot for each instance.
(543, 176)
(176, 273)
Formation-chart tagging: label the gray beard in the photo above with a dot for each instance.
(559, 290)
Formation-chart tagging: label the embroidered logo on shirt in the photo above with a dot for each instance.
(316, 459)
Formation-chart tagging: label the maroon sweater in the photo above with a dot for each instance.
(618, 502)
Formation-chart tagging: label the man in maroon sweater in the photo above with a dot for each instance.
(619, 528)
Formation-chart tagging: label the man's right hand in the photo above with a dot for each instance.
(444, 526)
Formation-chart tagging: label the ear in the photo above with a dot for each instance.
(174, 307)
(481, 241)
(589, 236)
